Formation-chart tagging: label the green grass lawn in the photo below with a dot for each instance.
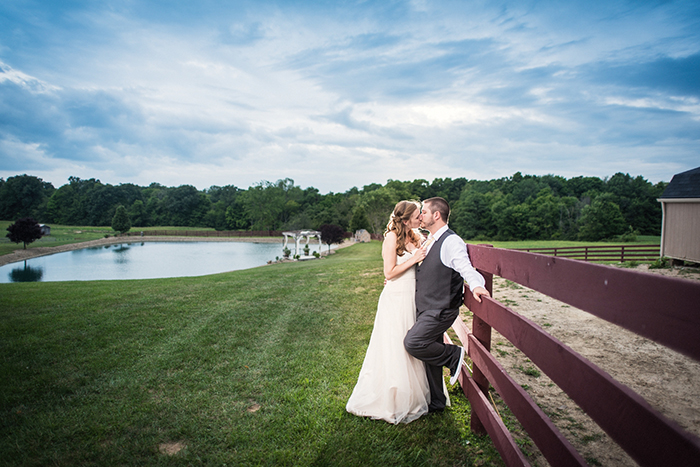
(250, 367)
(60, 235)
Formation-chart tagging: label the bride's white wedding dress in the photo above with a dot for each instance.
(392, 385)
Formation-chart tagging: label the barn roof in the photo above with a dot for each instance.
(684, 185)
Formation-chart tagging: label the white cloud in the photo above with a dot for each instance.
(348, 95)
(30, 83)
(690, 105)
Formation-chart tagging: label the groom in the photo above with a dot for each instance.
(439, 294)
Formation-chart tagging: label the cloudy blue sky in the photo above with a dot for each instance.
(336, 94)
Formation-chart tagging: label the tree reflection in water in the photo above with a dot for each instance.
(26, 274)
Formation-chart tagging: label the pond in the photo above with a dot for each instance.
(144, 260)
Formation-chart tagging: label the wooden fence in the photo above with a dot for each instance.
(619, 253)
(665, 310)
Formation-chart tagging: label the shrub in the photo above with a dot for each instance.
(629, 236)
(660, 263)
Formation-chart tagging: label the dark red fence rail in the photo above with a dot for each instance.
(665, 310)
(619, 253)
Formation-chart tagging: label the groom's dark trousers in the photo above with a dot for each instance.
(439, 293)
(425, 342)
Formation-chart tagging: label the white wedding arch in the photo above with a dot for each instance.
(298, 236)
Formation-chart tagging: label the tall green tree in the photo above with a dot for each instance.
(333, 208)
(569, 213)
(602, 219)
(577, 186)
(137, 214)
(446, 188)
(514, 223)
(545, 215)
(185, 206)
(222, 198)
(637, 200)
(359, 220)
(472, 217)
(24, 196)
(71, 203)
(269, 205)
(378, 205)
(526, 189)
(101, 205)
(120, 221)
(154, 199)
(236, 216)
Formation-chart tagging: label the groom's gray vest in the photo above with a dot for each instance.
(437, 286)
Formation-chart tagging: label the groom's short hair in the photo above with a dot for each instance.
(440, 205)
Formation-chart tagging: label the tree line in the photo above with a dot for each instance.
(519, 207)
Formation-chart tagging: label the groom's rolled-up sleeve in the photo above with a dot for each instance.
(454, 255)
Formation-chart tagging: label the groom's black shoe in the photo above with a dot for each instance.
(455, 375)
(435, 409)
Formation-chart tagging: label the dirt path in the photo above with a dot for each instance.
(669, 381)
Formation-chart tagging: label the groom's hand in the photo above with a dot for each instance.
(478, 292)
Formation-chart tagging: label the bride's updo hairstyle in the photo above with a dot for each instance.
(403, 211)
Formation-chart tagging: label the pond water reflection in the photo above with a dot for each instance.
(143, 260)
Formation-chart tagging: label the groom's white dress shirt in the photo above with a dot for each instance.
(453, 254)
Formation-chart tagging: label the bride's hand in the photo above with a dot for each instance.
(419, 255)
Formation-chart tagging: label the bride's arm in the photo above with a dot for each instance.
(391, 269)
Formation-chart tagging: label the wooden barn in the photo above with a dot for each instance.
(680, 227)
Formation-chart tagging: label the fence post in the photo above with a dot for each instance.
(622, 254)
(482, 332)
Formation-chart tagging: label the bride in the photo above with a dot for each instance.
(392, 385)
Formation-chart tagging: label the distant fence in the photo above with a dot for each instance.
(592, 253)
(659, 308)
(619, 253)
(206, 233)
(212, 233)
